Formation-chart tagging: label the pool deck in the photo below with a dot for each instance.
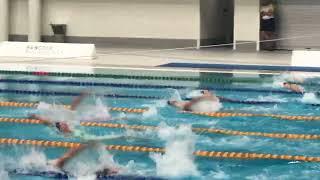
(144, 58)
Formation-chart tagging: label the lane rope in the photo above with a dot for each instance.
(239, 114)
(210, 114)
(79, 83)
(33, 105)
(144, 149)
(212, 77)
(196, 130)
(57, 93)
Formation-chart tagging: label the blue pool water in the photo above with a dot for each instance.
(174, 133)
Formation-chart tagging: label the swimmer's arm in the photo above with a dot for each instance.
(44, 120)
(69, 155)
(77, 100)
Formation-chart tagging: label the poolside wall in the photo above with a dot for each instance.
(114, 21)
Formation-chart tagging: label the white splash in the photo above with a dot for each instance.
(96, 112)
(176, 95)
(86, 165)
(310, 98)
(153, 109)
(4, 174)
(57, 113)
(273, 98)
(218, 175)
(136, 168)
(34, 160)
(178, 160)
(194, 93)
(293, 77)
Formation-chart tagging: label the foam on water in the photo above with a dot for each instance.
(92, 160)
(175, 95)
(274, 98)
(293, 77)
(142, 135)
(219, 174)
(142, 169)
(256, 109)
(233, 141)
(95, 112)
(35, 160)
(57, 113)
(153, 109)
(178, 160)
(4, 174)
(310, 98)
(193, 94)
(85, 136)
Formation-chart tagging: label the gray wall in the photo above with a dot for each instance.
(138, 19)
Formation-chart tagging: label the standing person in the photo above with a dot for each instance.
(267, 25)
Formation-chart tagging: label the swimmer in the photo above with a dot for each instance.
(62, 127)
(293, 87)
(73, 152)
(206, 103)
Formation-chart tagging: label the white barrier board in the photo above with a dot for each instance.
(306, 58)
(47, 50)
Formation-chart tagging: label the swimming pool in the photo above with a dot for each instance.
(176, 131)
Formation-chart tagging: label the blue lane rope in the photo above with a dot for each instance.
(78, 83)
(62, 175)
(56, 93)
(223, 99)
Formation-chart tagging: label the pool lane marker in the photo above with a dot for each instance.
(60, 93)
(196, 130)
(144, 149)
(34, 105)
(239, 114)
(210, 114)
(149, 86)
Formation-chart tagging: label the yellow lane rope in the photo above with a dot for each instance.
(213, 114)
(197, 130)
(211, 154)
(278, 116)
(33, 105)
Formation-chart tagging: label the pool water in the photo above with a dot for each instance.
(174, 131)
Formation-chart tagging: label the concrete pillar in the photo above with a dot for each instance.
(4, 20)
(34, 21)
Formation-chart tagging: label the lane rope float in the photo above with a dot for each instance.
(239, 114)
(33, 105)
(196, 130)
(224, 99)
(213, 114)
(214, 77)
(117, 85)
(59, 93)
(144, 149)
